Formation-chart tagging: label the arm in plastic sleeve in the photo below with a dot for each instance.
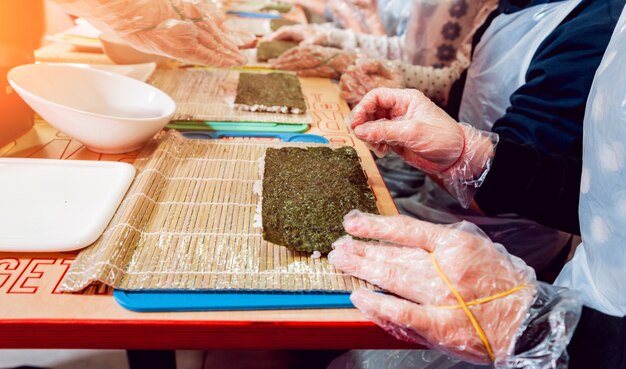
(454, 290)
(315, 61)
(188, 30)
(369, 74)
(366, 75)
(328, 35)
(357, 15)
(386, 47)
(463, 178)
(411, 125)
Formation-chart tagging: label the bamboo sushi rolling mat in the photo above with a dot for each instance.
(187, 222)
(203, 94)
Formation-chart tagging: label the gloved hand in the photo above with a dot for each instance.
(326, 35)
(315, 61)
(357, 15)
(188, 30)
(365, 76)
(435, 83)
(456, 290)
(411, 125)
(307, 34)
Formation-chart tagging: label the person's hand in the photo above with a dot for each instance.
(306, 34)
(188, 30)
(411, 125)
(408, 123)
(411, 261)
(315, 61)
(360, 79)
(357, 15)
(244, 40)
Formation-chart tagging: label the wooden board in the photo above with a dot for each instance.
(35, 313)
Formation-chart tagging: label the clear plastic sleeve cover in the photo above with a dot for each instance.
(188, 30)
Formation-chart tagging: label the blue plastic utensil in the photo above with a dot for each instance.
(254, 14)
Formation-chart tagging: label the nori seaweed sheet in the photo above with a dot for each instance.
(277, 23)
(307, 192)
(281, 8)
(272, 49)
(272, 89)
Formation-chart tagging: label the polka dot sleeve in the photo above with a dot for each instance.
(433, 82)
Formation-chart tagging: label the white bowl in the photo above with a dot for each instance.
(118, 50)
(107, 112)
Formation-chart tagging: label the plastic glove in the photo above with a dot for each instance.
(307, 34)
(326, 35)
(435, 83)
(411, 125)
(315, 61)
(365, 76)
(421, 263)
(357, 15)
(188, 30)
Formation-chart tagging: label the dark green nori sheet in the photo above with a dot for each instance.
(281, 8)
(277, 23)
(307, 192)
(272, 49)
(272, 89)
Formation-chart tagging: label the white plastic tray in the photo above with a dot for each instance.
(58, 205)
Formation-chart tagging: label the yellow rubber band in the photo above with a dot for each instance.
(465, 308)
(484, 299)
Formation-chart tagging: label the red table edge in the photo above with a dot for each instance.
(180, 334)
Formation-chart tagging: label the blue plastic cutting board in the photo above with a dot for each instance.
(151, 301)
(147, 301)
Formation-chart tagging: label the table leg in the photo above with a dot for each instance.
(153, 359)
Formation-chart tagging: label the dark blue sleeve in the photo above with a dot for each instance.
(537, 185)
(547, 111)
(599, 341)
(538, 172)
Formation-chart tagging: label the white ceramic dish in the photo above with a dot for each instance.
(58, 205)
(121, 52)
(107, 112)
(140, 72)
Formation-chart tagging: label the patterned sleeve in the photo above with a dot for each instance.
(438, 33)
(433, 82)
